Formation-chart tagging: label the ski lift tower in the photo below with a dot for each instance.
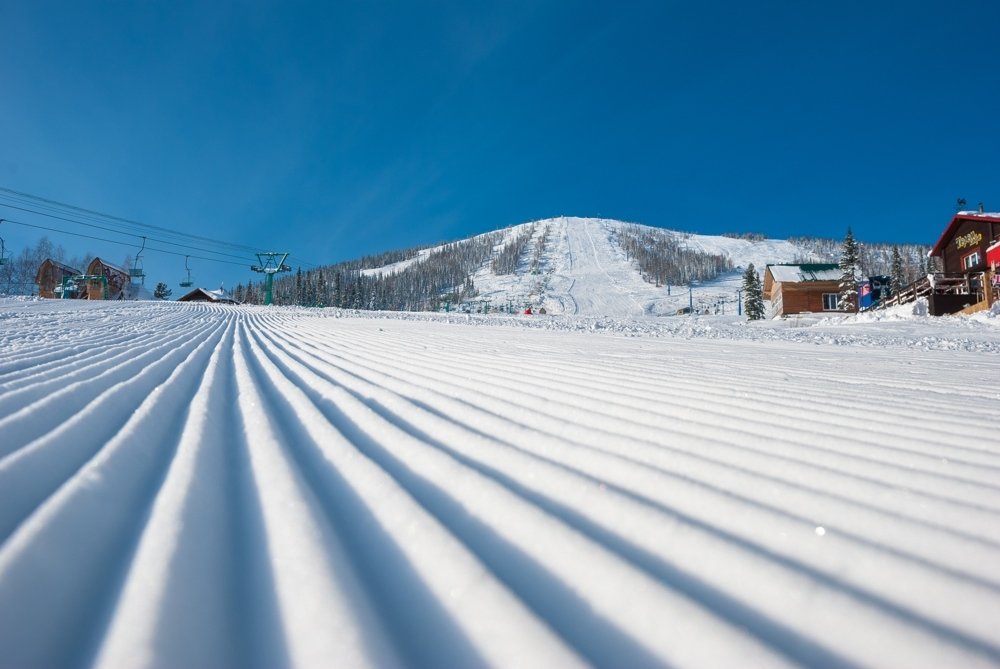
(3, 250)
(270, 264)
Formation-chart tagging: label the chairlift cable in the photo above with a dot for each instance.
(121, 243)
(159, 241)
(121, 232)
(123, 220)
(54, 206)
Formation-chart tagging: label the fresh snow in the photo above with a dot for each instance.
(206, 485)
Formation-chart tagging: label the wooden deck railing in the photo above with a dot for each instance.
(974, 285)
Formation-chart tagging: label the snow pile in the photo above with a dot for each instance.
(209, 485)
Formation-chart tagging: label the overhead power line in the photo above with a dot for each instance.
(125, 221)
(106, 229)
(121, 243)
(69, 213)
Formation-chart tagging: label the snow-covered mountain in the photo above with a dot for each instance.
(582, 269)
(568, 265)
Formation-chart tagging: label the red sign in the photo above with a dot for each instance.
(993, 256)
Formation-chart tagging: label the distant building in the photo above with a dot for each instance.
(803, 288)
(49, 278)
(203, 295)
(873, 290)
(119, 282)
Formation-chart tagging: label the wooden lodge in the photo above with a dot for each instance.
(967, 282)
(803, 288)
(49, 278)
(117, 279)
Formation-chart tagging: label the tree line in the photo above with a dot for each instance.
(665, 259)
(873, 258)
(445, 275)
(509, 257)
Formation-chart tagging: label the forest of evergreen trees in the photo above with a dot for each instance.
(874, 259)
(509, 257)
(445, 275)
(664, 259)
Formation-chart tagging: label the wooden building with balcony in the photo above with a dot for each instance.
(967, 281)
(49, 278)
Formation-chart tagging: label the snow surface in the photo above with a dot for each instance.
(191, 485)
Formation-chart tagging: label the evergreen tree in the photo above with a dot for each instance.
(896, 273)
(162, 292)
(849, 273)
(932, 266)
(338, 295)
(753, 300)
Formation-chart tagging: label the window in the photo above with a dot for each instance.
(831, 302)
(971, 260)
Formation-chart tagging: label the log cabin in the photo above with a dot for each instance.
(804, 288)
(49, 278)
(118, 281)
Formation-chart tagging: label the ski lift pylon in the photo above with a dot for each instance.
(187, 283)
(3, 250)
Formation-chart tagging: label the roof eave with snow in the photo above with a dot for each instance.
(960, 217)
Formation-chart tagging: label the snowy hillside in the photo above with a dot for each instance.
(583, 271)
(205, 486)
(574, 266)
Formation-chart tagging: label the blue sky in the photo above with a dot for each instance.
(338, 129)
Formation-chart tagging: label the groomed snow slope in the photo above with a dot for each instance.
(191, 485)
(584, 272)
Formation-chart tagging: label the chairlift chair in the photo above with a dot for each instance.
(136, 270)
(187, 283)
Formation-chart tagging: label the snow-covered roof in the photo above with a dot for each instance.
(105, 263)
(200, 294)
(805, 272)
(220, 295)
(977, 214)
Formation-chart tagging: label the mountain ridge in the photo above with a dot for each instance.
(564, 265)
